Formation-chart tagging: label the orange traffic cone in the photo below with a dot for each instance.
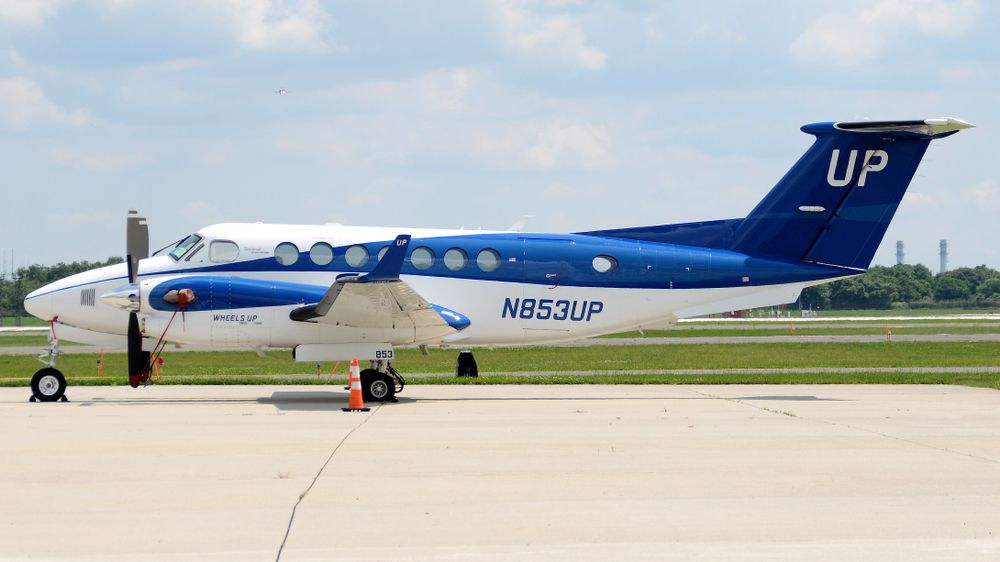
(356, 402)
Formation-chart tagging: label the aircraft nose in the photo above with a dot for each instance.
(38, 303)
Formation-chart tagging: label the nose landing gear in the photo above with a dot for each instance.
(48, 384)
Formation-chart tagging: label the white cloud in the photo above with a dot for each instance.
(122, 4)
(16, 59)
(585, 145)
(28, 13)
(78, 218)
(106, 160)
(985, 194)
(24, 104)
(200, 213)
(859, 33)
(444, 90)
(915, 199)
(367, 198)
(548, 35)
(280, 25)
(545, 145)
(174, 65)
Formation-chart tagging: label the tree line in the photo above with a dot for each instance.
(908, 286)
(899, 286)
(13, 288)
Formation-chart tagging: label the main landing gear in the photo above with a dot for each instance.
(48, 384)
(380, 382)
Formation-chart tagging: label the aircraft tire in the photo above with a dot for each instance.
(48, 385)
(377, 387)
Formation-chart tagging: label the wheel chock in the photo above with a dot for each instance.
(32, 398)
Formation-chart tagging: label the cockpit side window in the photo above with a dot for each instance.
(223, 251)
(185, 245)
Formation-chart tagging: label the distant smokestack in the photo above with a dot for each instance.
(900, 256)
(944, 256)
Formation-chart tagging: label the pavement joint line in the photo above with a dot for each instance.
(302, 496)
(848, 426)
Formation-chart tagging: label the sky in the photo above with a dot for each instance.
(462, 114)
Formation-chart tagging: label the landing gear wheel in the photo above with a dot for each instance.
(377, 387)
(48, 385)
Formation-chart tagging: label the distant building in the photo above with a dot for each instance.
(944, 256)
(900, 255)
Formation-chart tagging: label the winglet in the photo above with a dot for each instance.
(387, 268)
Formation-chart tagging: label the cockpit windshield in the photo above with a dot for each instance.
(183, 247)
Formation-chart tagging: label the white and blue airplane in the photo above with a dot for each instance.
(333, 292)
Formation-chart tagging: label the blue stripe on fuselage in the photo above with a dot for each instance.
(566, 260)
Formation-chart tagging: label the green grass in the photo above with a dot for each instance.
(554, 363)
(11, 340)
(10, 321)
(17, 340)
(807, 330)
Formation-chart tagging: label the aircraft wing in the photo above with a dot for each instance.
(381, 300)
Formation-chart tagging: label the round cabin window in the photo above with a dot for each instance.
(356, 256)
(321, 253)
(422, 257)
(286, 253)
(455, 259)
(488, 260)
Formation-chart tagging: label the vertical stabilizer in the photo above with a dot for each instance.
(834, 205)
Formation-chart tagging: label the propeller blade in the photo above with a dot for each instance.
(136, 242)
(138, 360)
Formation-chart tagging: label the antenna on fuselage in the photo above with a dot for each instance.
(520, 223)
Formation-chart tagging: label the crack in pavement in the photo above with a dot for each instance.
(849, 426)
(302, 496)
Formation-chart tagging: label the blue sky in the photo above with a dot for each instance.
(473, 114)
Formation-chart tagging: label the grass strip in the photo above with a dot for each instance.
(985, 380)
(205, 367)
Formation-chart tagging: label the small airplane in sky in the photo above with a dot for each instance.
(333, 292)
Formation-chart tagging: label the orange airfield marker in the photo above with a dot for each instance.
(334, 370)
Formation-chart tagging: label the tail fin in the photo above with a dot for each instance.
(834, 205)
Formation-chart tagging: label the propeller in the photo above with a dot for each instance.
(136, 242)
(136, 248)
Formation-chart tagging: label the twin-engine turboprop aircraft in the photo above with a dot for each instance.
(334, 292)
